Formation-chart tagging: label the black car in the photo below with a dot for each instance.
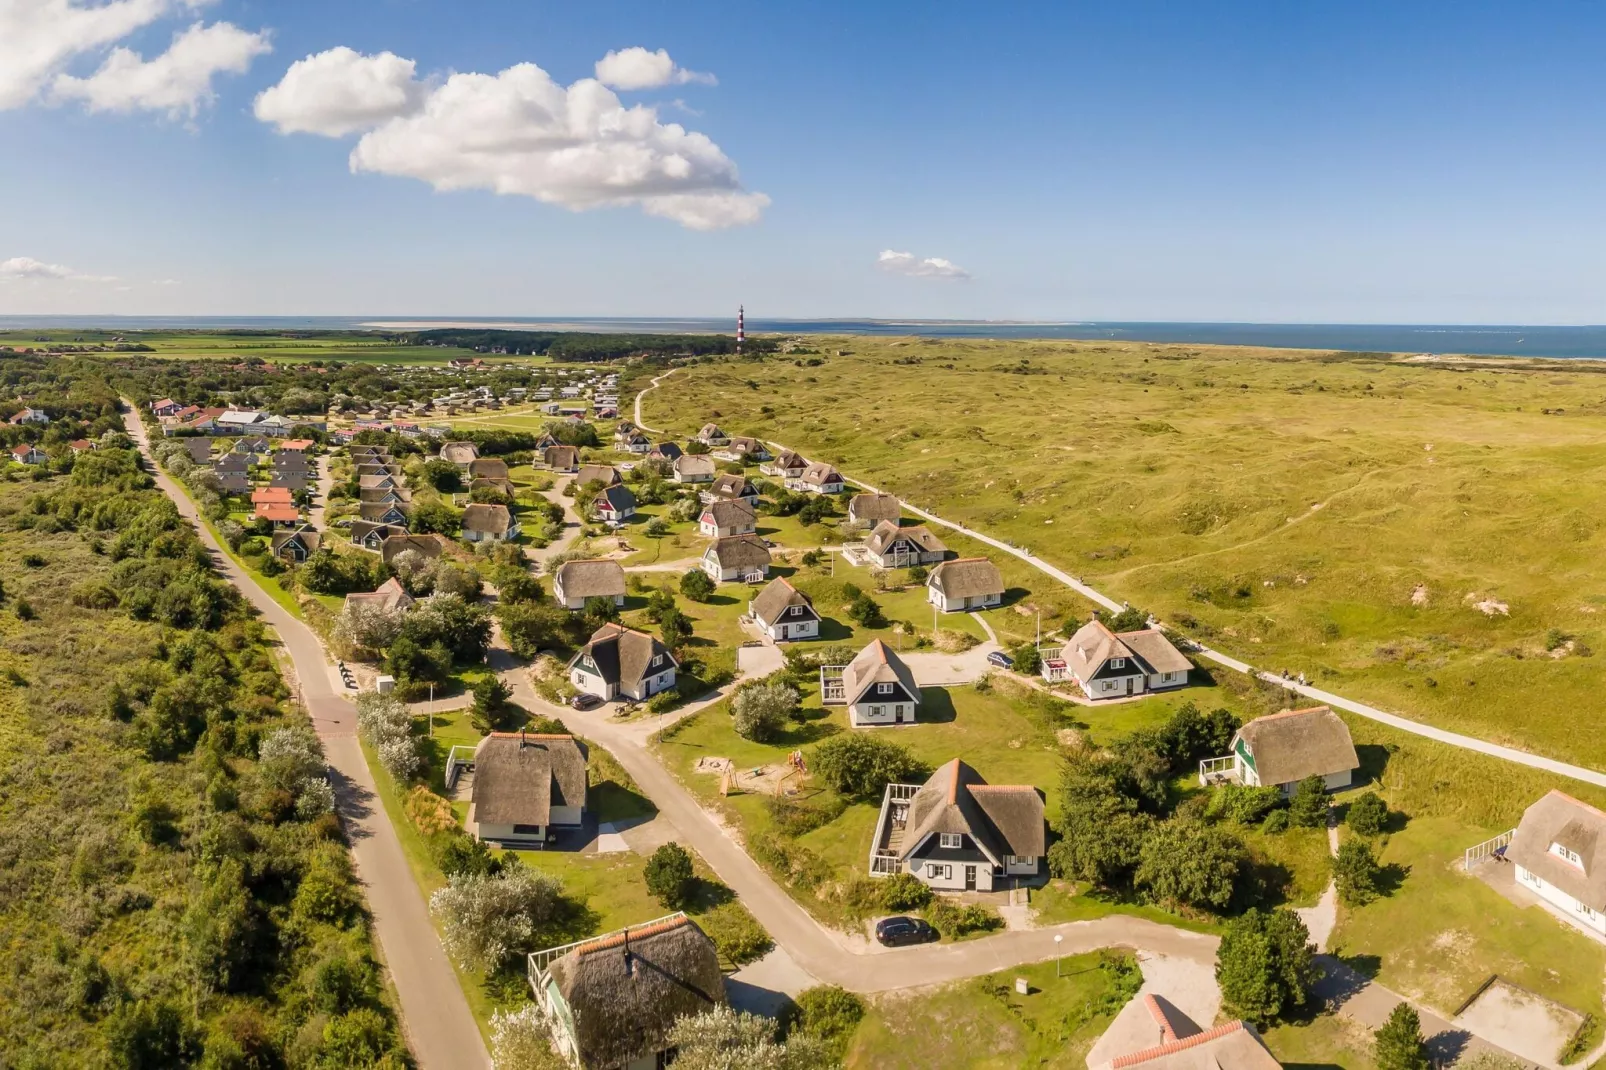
(1001, 659)
(895, 932)
(585, 702)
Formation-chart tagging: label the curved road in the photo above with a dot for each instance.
(1360, 709)
(436, 1021)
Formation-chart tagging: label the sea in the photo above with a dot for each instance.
(1586, 342)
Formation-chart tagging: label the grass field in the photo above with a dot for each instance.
(287, 348)
(1341, 515)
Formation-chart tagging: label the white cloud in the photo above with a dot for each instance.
(341, 91)
(636, 68)
(520, 133)
(179, 81)
(26, 268)
(38, 38)
(932, 267)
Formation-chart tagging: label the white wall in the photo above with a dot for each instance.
(1575, 912)
(955, 881)
(591, 685)
(862, 713)
(794, 629)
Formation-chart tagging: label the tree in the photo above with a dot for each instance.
(517, 585)
(434, 515)
(1356, 872)
(530, 627)
(521, 1040)
(696, 585)
(462, 627)
(1265, 965)
(368, 626)
(669, 875)
(760, 711)
(830, 1013)
(493, 711)
(723, 1039)
(862, 765)
(487, 922)
(386, 723)
(1130, 619)
(864, 610)
(444, 476)
(1186, 862)
(1099, 844)
(1368, 815)
(1027, 659)
(656, 528)
(1308, 808)
(674, 626)
(410, 662)
(659, 601)
(816, 509)
(151, 1035)
(1398, 1042)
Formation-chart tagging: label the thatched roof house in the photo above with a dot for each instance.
(965, 583)
(614, 999)
(874, 508)
(524, 785)
(959, 832)
(1284, 748)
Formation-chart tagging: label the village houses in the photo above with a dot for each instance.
(1105, 664)
(784, 613)
(526, 788)
(622, 663)
(957, 833)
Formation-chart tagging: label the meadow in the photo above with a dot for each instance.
(289, 347)
(1425, 536)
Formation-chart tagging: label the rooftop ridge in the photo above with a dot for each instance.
(617, 939)
(1002, 787)
(1292, 713)
(530, 735)
(1167, 1034)
(1171, 1047)
(1577, 802)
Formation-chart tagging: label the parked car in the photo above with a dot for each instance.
(896, 932)
(585, 702)
(1001, 659)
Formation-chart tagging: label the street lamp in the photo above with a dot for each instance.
(1057, 939)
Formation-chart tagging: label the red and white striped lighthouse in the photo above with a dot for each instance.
(741, 327)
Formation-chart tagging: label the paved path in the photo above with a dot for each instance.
(320, 498)
(436, 1020)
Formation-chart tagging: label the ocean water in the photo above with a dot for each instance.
(1514, 340)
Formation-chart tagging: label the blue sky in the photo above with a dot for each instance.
(1301, 162)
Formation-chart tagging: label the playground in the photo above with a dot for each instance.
(781, 778)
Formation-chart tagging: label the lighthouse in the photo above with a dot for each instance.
(741, 327)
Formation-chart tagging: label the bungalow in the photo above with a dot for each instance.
(202, 420)
(957, 832)
(279, 514)
(711, 435)
(1559, 849)
(390, 595)
(371, 536)
(746, 450)
(164, 407)
(606, 474)
(783, 612)
(253, 444)
(296, 445)
(740, 557)
(562, 458)
(723, 518)
(366, 450)
(429, 546)
(489, 523)
(730, 486)
(577, 581)
(665, 451)
(965, 583)
(239, 421)
(1281, 749)
(692, 468)
(620, 662)
(297, 545)
(378, 468)
(82, 445)
(891, 546)
(635, 442)
(234, 483)
(877, 688)
(28, 454)
(185, 413)
(872, 509)
(291, 462)
(611, 1001)
(489, 468)
(232, 462)
(272, 496)
(30, 416)
(818, 478)
(787, 466)
(382, 513)
(1105, 664)
(615, 504)
(526, 786)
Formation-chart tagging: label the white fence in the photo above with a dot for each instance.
(1216, 769)
(833, 692)
(894, 812)
(1486, 850)
(455, 765)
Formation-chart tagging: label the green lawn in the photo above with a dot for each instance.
(1326, 1042)
(983, 1024)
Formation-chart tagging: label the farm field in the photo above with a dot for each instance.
(1423, 536)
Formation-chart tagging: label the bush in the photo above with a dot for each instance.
(1356, 872)
(1276, 821)
(696, 585)
(1368, 815)
(862, 765)
(904, 891)
(150, 1035)
(493, 709)
(829, 1013)
(1130, 619)
(737, 935)
(954, 920)
(760, 712)
(1308, 809)
(384, 721)
(1265, 965)
(521, 1040)
(487, 922)
(1243, 804)
(795, 817)
(669, 875)
(1028, 659)
(866, 612)
(1195, 865)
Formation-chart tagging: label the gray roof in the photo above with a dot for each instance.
(200, 449)
(519, 777)
(877, 664)
(776, 598)
(619, 497)
(727, 512)
(305, 535)
(623, 655)
(626, 989)
(738, 551)
(1558, 818)
(1295, 744)
(1002, 819)
(591, 579)
(789, 459)
(667, 450)
(487, 519)
(487, 468)
(606, 474)
(875, 508)
(234, 482)
(1229, 1046)
(693, 464)
(967, 577)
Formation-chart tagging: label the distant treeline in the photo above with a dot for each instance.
(584, 346)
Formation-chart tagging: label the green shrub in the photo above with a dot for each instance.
(737, 935)
(1368, 815)
(862, 765)
(954, 920)
(669, 875)
(1356, 872)
(1276, 821)
(1308, 809)
(1243, 804)
(831, 1014)
(796, 817)
(904, 891)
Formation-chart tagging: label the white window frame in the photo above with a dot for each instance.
(950, 840)
(1567, 855)
(883, 689)
(657, 660)
(1117, 663)
(940, 872)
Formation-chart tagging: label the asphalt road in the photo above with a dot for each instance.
(436, 1021)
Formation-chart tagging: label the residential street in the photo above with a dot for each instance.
(435, 1017)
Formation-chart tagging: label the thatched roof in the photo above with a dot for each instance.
(1155, 650)
(1560, 819)
(487, 519)
(459, 453)
(694, 465)
(732, 486)
(738, 551)
(591, 579)
(790, 461)
(383, 481)
(877, 664)
(888, 533)
(487, 468)
(1294, 744)
(606, 474)
(388, 595)
(627, 989)
(623, 655)
(1001, 819)
(874, 508)
(776, 598)
(730, 512)
(378, 511)
(967, 577)
(1148, 649)
(561, 456)
(819, 474)
(519, 777)
(428, 545)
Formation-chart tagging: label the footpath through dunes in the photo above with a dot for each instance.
(435, 1016)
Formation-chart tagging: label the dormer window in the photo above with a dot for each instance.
(883, 689)
(657, 660)
(1567, 854)
(1117, 663)
(950, 839)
